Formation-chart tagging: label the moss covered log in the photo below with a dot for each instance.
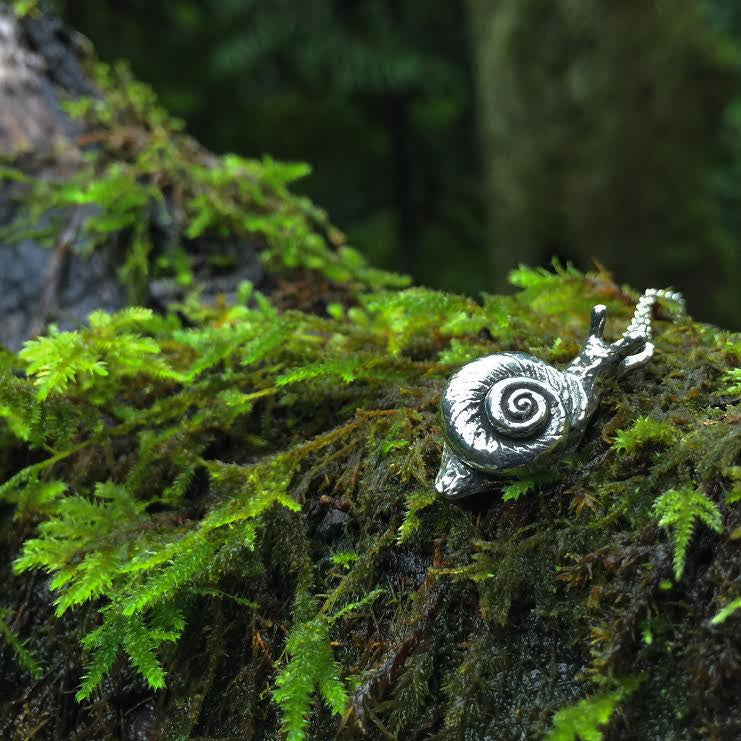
(218, 517)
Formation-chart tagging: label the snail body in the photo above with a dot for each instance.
(510, 412)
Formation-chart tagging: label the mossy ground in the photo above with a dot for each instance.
(211, 485)
(492, 615)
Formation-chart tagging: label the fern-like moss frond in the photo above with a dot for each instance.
(679, 510)
(585, 721)
(311, 665)
(724, 613)
(24, 657)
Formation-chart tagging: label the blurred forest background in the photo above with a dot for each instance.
(453, 140)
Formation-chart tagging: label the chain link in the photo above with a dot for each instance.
(640, 325)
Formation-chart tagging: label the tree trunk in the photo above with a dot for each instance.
(587, 151)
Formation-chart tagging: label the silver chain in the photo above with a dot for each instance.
(640, 324)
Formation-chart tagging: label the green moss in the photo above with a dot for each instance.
(158, 482)
(727, 611)
(25, 7)
(644, 431)
(147, 176)
(23, 656)
(311, 666)
(680, 510)
(583, 721)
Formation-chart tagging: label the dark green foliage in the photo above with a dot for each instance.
(584, 160)
(23, 656)
(376, 95)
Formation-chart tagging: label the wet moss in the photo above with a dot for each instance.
(493, 614)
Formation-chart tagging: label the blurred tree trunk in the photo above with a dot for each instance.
(509, 230)
(41, 63)
(597, 122)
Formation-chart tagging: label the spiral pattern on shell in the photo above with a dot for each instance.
(517, 406)
(507, 410)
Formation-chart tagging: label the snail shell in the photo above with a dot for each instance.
(509, 410)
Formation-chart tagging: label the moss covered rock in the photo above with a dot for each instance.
(218, 517)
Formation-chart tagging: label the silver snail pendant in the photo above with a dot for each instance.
(510, 413)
